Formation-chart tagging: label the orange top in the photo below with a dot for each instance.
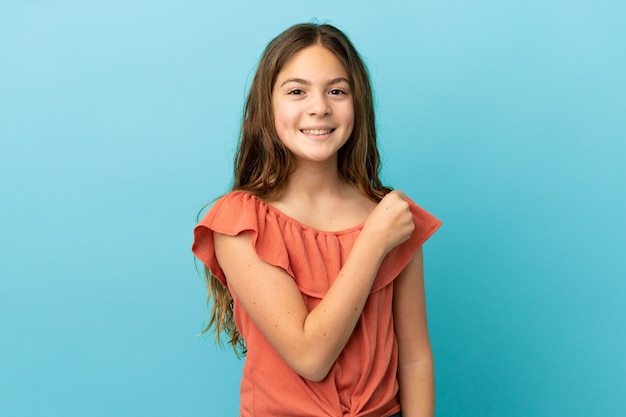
(362, 382)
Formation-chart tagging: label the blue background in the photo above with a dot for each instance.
(118, 121)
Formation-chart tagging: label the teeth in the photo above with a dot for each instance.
(316, 131)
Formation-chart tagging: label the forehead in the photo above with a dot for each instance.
(313, 63)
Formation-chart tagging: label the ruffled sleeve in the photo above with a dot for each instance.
(232, 214)
(425, 225)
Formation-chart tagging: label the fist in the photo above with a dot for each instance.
(391, 221)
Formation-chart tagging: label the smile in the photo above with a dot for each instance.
(316, 131)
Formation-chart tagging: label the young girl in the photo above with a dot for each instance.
(310, 259)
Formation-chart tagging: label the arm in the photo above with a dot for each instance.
(310, 342)
(415, 359)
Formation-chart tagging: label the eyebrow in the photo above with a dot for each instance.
(306, 82)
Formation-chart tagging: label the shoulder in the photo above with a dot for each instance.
(242, 215)
(245, 221)
(232, 200)
(231, 208)
(230, 214)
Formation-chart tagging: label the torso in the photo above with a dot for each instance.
(362, 382)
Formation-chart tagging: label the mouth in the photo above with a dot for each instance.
(318, 132)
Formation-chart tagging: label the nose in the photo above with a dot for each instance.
(319, 105)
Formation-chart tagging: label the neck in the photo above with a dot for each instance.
(315, 180)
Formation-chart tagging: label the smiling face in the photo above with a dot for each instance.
(313, 106)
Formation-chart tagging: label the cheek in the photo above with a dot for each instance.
(279, 122)
(349, 117)
(285, 118)
(282, 122)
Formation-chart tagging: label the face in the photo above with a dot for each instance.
(313, 108)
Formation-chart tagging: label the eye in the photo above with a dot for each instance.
(296, 92)
(337, 92)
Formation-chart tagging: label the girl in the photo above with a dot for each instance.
(310, 259)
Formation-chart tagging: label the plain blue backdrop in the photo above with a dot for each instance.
(118, 121)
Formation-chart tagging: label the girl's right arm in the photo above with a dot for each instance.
(310, 342)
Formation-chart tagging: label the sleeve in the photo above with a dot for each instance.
(425, 226)
(231, 215)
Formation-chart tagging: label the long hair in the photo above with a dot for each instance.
(263, 164)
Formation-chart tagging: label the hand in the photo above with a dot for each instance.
(391, 222)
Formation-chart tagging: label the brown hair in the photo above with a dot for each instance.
(263, 164)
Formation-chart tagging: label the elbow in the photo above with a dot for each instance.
(313, 375)
(313, 370)
(310, 357)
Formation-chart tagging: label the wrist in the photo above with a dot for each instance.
(373, 245)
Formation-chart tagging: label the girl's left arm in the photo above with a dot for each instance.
(415, 359)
